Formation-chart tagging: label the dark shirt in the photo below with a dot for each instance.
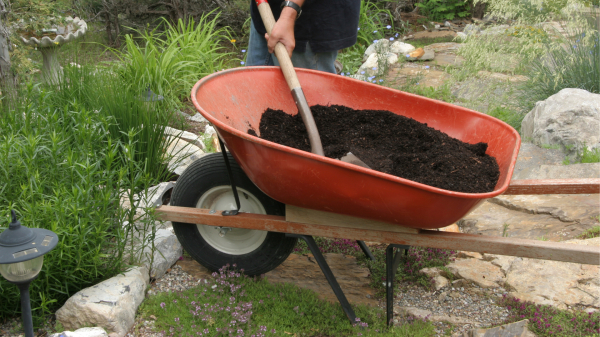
(328, 25)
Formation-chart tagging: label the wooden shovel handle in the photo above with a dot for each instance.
(282, 55)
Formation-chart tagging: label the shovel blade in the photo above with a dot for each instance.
(352, 159)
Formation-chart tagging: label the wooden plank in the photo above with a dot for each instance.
(545, 250)
(311, 216)
(554, 186)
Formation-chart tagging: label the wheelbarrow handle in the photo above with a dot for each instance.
(287, 68)
(282, 55)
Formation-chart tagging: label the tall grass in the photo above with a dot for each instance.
(572, 62)
(67, 154)
(169, 63)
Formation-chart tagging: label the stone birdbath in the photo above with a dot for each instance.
(49, 40)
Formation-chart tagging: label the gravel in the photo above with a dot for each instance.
(452, 309)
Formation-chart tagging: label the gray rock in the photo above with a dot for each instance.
(471, 29)
(181, 154)
(531, 157)
(381, 46)
(516, 329)
(428, 315)
(546, 217)
(167, 250)
(440, 282)
(569, 119)
(153, 196)
(111, 304)
(83, 332)
(431, 272)
(401, 48)
(187, 136)
(560, 284)
(483, 273)
(198, 118)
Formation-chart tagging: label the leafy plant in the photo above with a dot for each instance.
(571, 62)
(545, 320)
(170, 63)
(439, 10)
(593, 232)
(64, 166)
(509, 116)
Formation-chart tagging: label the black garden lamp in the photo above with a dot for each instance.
(22, 253)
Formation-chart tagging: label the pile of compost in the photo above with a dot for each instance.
(389, 143)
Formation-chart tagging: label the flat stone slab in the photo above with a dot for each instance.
(560, 284)
(539, 217)
(305, 272)
(516, 329)
(531, 157)
(483, 273)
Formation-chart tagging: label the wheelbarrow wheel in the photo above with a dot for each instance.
(205, 184)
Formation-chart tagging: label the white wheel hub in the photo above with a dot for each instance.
(233, 241)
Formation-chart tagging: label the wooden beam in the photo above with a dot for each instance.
(311, 216)
(545, 250)
(554, 186)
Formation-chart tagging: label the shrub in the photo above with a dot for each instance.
(572, 61)
(439, 10)
(170, 63)
(65, 160)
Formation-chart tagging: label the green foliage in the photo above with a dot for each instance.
(372, 26)
(590, 156)
(234, 304)
(170, 63)
(509, 116)
(546, 320)
(411, 263)
(531, 11)
(439, 10)
(593, 232)
(572, 62)
(441, 93)
(64, 166)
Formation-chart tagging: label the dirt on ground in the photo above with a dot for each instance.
(389, 143)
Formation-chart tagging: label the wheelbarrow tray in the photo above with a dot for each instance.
(234, 101)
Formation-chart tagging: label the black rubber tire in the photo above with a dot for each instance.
(208, 172)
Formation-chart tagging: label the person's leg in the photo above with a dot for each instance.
(258, 53)
(315, 61)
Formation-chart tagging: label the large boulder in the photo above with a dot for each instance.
(569, 119)
(110, 304)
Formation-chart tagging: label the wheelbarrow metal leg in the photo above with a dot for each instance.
(365, 250)
(233, 187)
(391, 265)
(335, 286)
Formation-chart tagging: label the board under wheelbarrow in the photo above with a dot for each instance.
(280, 191)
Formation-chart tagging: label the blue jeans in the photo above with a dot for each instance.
(258, 55)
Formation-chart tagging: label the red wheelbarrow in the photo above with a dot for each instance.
(283, 191)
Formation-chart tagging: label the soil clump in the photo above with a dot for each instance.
(389, 143)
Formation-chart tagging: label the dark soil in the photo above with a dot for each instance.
(391, 144)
